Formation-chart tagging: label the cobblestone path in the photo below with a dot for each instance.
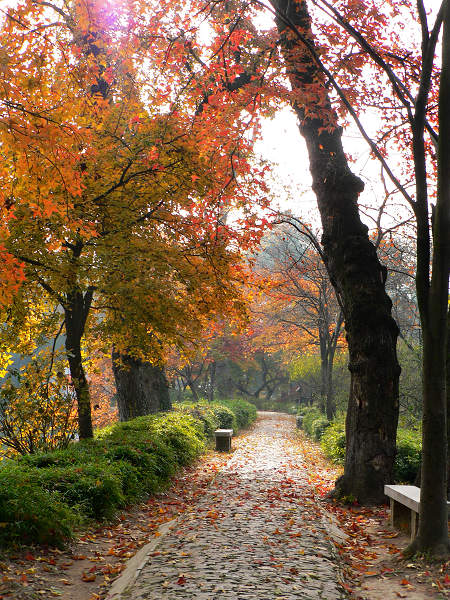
(256, 534)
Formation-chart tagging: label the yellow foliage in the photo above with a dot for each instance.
(37, 407)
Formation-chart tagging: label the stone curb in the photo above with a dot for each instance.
(137, 563)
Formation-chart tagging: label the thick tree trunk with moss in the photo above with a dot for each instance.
(142, 388)
(354, 269)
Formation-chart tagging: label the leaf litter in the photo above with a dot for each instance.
(369, 551)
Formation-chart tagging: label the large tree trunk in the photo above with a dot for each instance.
(448, 403)
(76, 309)
(142, 388)
(432, 535)
(355, 272)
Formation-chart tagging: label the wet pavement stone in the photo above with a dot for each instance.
(256, 533)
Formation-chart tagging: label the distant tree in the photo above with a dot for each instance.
(301, 311)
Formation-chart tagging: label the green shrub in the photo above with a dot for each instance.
(94, 490)
(225, 416)
(244, 411)
(310, 415)
(204, 413)
(409, 452)
(29, 514)
(144, 467)
(318, 426)
(333, 442)
(44, 496)
(183, 433)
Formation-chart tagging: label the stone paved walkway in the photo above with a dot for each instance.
(256, 534)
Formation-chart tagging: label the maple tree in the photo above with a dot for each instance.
(141, 387)
(131, 205)
(102, 388)
(237, 358)
(403, 88)
(410, 120)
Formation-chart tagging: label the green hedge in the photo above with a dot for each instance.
(202, 412)
(409, 453)
(45, 497)
(407, 460)
(244, 412)
(333, 442)
(29, 514)
(314, 422)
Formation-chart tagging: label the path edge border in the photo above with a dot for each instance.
(135, 565)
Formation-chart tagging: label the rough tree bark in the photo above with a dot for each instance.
(448, 403)
(142, 388)
(432, 294)
(355, 272)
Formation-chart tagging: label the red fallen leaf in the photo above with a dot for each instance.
(79, 557)
(110, 570)
(89, 577)
(29, 556)
(404, 582)
(181, 580)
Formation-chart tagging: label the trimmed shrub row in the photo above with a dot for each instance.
(227, 414)
(45, 497)
(314, 422)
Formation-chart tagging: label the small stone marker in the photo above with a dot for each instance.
(299, 421)
(223, 439)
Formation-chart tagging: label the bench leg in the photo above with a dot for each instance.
(391, 516)
(403, 518)
(414, 523)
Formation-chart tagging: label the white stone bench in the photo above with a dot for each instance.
(405, 503)
(223, 439)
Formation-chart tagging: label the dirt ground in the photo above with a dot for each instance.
(368, 550)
